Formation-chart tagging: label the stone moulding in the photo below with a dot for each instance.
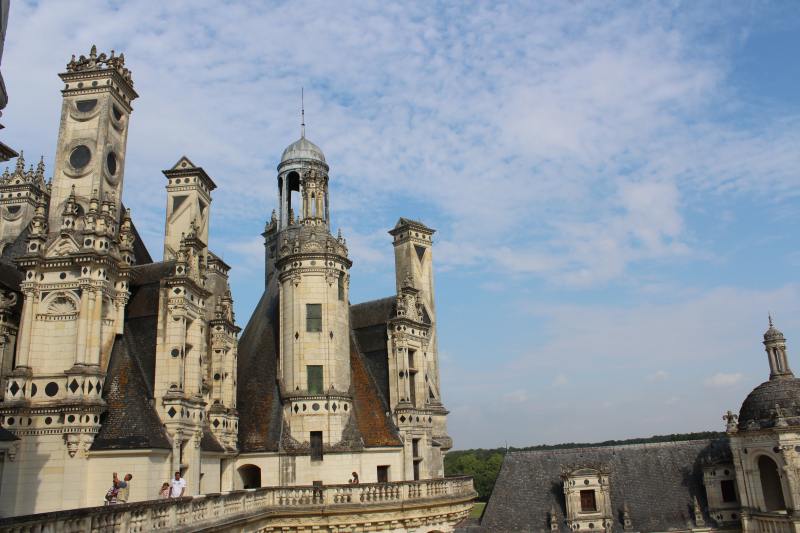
(428, 505)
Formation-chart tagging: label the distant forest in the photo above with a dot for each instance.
(484, 465)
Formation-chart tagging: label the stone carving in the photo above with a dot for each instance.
(73, 441)
(8, 299)
(61, 305)
(731, 420)
(100, 62)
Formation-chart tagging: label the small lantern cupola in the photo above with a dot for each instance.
(775, 344)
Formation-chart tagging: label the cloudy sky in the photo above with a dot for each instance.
(615, 186)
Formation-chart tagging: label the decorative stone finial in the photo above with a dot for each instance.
(731, 421)
(698, 514)
(100, 62)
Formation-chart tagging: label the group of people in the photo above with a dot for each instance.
(175, 489)
(121, 488)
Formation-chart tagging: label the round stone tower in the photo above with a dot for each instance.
(312, 271)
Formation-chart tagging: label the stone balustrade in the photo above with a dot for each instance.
(770, 523)
(446, 498)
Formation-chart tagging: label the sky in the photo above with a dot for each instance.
(615, 186)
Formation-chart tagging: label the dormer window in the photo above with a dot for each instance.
(587, 498)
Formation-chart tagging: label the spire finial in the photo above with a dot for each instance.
(302, 115)
(770, 319)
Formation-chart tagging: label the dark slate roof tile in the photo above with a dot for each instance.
(130, 421)
(657, 480)
(258, 398)
(376, 428)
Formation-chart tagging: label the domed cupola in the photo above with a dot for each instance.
(774, 403)
(302, 150)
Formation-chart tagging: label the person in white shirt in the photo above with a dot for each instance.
(178, 486)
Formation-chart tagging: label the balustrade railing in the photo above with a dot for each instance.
(772, 524)
(217, 509)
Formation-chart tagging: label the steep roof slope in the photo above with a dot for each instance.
(257, 395)
(658, 482)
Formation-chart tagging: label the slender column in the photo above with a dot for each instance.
(96, 329)
(83, 326)
(23, 352)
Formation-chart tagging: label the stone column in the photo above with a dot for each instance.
(24, 344)
(96, 328)
(83, 326)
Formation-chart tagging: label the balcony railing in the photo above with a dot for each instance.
(770, 523)
(218, 509)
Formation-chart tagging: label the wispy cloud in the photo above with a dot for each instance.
(722, 379)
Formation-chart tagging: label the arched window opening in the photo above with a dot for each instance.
(292, 194)
(771, 484)
(249, 476)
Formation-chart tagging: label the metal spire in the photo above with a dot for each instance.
(302, 115)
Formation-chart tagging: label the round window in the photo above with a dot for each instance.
(111, 163)
(51, 389)
(117, 112)
(80, 157)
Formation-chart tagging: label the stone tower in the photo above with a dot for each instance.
(76, 275)
(188, 200)
(311, 270)
(413, 354)
(90, 153)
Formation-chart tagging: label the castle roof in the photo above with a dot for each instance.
(657, 481)
(258, 397)
(131, 420)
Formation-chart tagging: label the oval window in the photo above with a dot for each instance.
(84, 106)
(80, 157)
(111, 163)
(117, 112)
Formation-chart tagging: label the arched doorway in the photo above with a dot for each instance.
(771, 484)
(249, 476)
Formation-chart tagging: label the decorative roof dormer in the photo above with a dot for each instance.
(587, 497)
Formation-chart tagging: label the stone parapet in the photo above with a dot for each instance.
(428, 505)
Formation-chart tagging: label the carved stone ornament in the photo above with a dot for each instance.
(13, 451)
(8, 299)
(731, 421)
(73, 441)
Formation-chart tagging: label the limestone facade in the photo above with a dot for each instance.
(114, 362)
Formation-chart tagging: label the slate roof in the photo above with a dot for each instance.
(258, 397)
(131, 420)
(368, 322)
(658, 481)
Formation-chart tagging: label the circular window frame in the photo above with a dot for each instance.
(112, 179)
(71, 171)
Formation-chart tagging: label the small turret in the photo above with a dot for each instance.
(775, 345)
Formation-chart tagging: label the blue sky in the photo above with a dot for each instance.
(615, 185)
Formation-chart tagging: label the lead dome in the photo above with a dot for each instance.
(302, 149)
